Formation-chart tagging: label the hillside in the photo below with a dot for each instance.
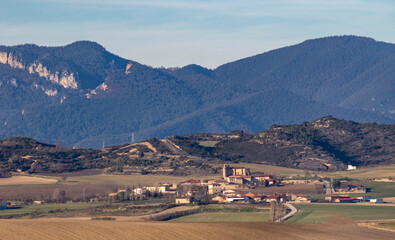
(87, 97)
(326, 144)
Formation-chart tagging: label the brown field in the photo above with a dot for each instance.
(130, 179)
(75, 229)
(44, 192)
(26, 180)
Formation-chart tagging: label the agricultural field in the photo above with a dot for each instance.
(46, 208)
(366, 173)
(225, 217)
(80, 229)
(26, 180)
(319, 213)
(129, 179)
(388, 225)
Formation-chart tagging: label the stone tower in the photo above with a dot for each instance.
(226, 171)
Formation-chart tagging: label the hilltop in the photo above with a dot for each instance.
(88, 97)
(326, 144)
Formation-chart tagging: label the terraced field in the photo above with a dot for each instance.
(77, 229)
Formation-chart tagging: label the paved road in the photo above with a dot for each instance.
(293, 211)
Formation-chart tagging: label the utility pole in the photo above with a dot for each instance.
(132, 137)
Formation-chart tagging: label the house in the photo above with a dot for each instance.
(214, 189)
(3, 204)
(158, 189)
(300, 198)
(184, 200)
(236, 179)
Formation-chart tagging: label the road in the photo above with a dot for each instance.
(290, 214)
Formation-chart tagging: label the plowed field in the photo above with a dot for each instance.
(77, 229)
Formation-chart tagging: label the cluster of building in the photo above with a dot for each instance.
(223, 190)
(261, 198)
(242, 175)
(344, 198)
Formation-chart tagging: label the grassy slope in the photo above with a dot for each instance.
(318, 213)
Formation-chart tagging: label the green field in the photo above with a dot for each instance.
(226, 217)
(208, 143)
(318, 213)
(46, 208)
(374, 189)
(388, 224)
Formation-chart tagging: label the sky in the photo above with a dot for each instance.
(175, 33)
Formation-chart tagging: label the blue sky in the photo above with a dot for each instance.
(173, 33)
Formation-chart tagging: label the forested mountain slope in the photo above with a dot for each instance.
(87, 97)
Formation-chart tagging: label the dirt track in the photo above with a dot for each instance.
(74, 229)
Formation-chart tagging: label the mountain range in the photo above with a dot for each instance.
(86, 96)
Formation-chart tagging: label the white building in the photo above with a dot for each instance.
(351, 167)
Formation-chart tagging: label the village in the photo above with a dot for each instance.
(238, 184)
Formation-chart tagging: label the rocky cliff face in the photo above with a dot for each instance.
(65, 79)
